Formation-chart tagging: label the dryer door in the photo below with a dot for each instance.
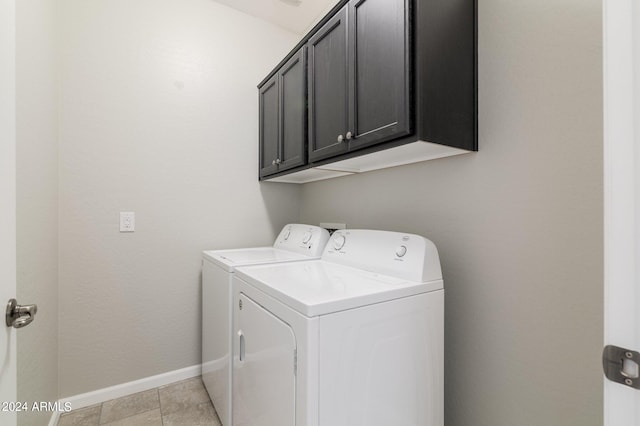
(264, 380)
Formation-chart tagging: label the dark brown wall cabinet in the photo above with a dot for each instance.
(359, 64)
(381, 74)
(283, 117)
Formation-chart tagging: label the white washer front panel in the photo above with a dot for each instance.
(317, 287)
(216, 338)
(264, 381)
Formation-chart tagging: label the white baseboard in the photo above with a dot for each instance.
(117, 391)
(55, 416)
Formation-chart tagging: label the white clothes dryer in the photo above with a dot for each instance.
(295, 243)
(353, 339)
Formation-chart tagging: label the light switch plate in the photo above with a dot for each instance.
(127, 221)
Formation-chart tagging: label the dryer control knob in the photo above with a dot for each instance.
(287, 234)
(339, 241)
(306, 237)
(401, 251)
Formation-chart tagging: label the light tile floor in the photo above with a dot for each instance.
(184, 403)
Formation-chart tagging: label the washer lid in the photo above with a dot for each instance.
(318, 287)
(230, 259)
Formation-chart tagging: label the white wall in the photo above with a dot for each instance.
(158, 116)
(330, 5)
(37, 202)
(518, 224)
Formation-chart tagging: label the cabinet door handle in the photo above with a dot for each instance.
(349, 135)
(278, 161)
(273, 163)
(340, 138)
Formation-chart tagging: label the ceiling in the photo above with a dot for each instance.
(294, 15)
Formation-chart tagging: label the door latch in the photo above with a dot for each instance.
(19, 316)
(621, 366)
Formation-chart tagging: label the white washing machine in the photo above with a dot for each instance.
(353, 339)
(294, 243)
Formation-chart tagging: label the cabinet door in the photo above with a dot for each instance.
(269, 126)
(379, 55)
(328, 88)
(293, 112)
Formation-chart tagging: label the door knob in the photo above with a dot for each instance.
(19, 316)
(349, 135)
(340, 138)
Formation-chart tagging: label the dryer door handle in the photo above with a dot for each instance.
(241, 349)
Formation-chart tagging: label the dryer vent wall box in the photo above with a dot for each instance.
(295, 243)
(376, 84)
(354, 338)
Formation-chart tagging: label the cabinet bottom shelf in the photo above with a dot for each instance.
(409, 153)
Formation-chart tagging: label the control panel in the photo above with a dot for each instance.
(396, 254)
(305, 239)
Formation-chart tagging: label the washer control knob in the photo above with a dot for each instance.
(401, 251)
(306, 237)
(287, 234)
(339, 241)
